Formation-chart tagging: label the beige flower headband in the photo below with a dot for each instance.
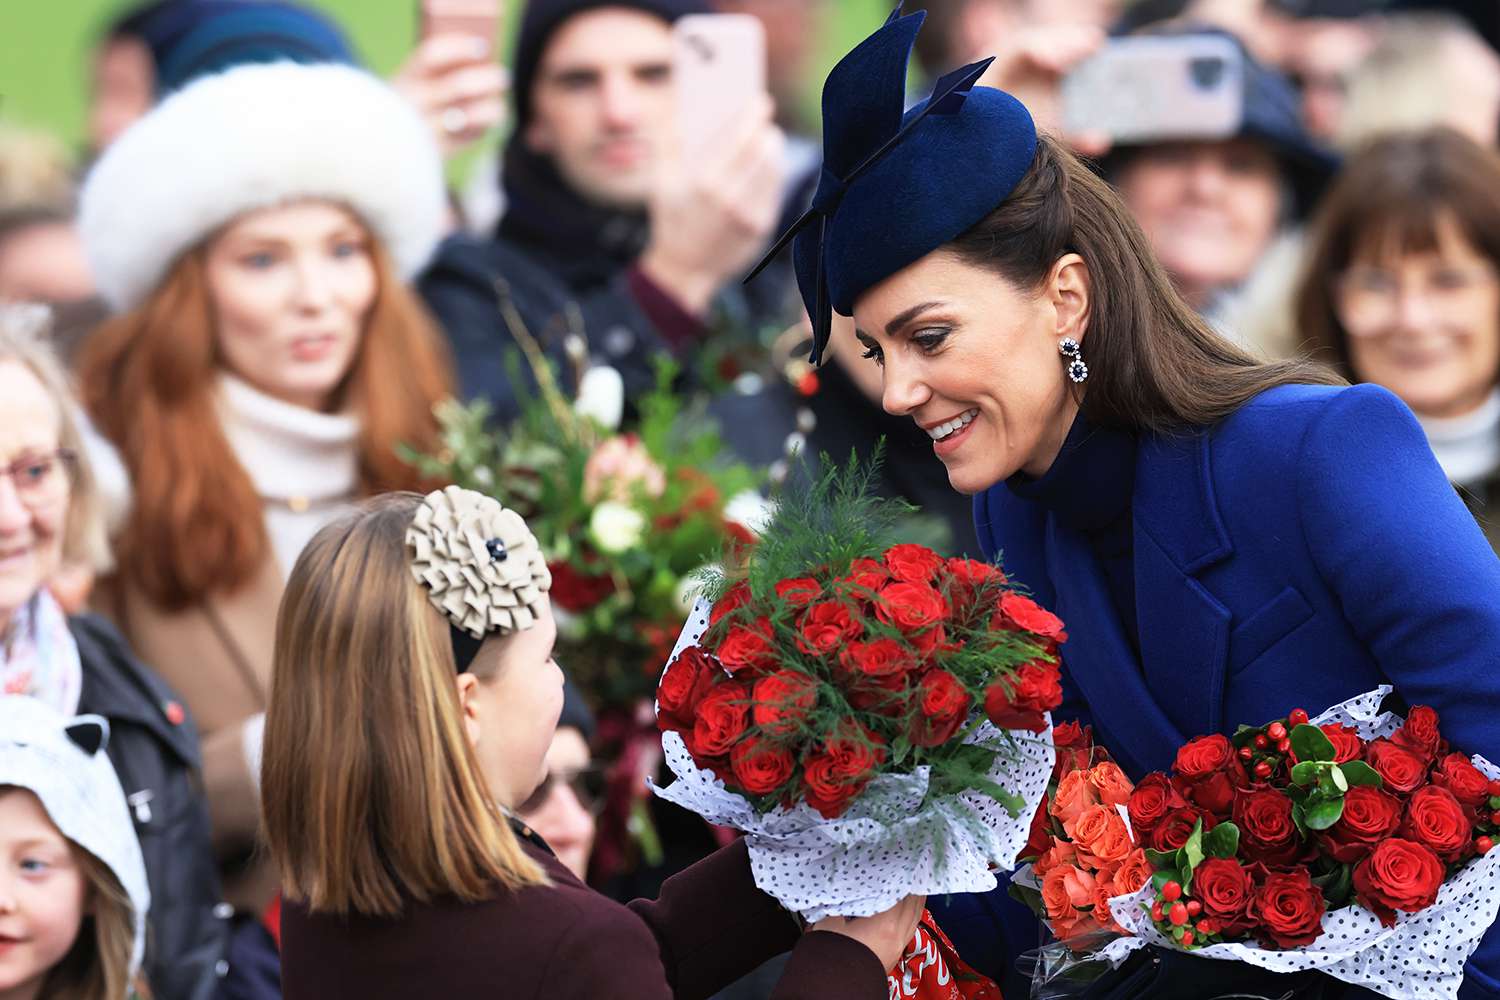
(481, 566)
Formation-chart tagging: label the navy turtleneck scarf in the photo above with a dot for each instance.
(1088, 489)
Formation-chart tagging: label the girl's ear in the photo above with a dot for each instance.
(468, 692)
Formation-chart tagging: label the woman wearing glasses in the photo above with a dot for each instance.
(80, 664)
(1402, 289)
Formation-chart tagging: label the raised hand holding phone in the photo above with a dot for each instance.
(719, 188)
(453, 76)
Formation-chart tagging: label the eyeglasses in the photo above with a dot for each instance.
(1369, 298)
(41, 480)
(587, 785)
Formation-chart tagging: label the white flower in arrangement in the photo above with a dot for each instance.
(750, 509)
(690, 587)
(616, 527)
(601, 397)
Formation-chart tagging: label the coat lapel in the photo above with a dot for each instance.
(1100, 661)
(1184, 629)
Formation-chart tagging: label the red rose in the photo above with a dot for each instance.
(748, 647)
(576, 591)
(942, 707)
(1267, 833)
(759, 767)
(1370, 815)
(1347, 745)
(733, 599)
(825, 627)
(1175, 828)
(1018, 702)
(973, 573)
(1039, 840)
(1209, 773)
(881, 695)
(1225, 889)
(1020, 612)
(799, 592)
(1288, 908)
(1419, 733)
(911, 607)
(867, 575)
(840, 772)
(1467, 783)
(928, 643)
(687, 679)
(825, 792)
(1402, 770)
(723, 716)
(1436, 819)
(877, 658)
(912, 563)
(1153, 798)
(1075, 747)
(782, 701)
(1398, 875)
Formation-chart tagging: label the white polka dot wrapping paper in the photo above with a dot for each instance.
(889, 844)
(1421, 958)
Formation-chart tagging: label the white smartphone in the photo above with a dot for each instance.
(718, 69)
(1158, 87)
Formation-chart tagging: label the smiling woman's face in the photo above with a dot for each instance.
(974, 360)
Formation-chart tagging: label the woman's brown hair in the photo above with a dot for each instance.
(1154, 363)
(196, 524)
(370, 788)
(1391, 198)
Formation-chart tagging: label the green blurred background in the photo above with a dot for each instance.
(44, 48)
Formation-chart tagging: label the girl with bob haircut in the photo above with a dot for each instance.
(1226, 539)
(253, 232)
(1402, 289)
(413, 704)
(73, 896)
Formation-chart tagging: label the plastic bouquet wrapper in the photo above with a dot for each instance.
(1357, 844)
(931, 970)
(872, 716)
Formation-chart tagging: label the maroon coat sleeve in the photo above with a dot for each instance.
(709, 926)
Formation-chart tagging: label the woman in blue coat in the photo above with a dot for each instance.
(1226, 539)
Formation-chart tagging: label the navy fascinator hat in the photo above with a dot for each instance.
(898, 184)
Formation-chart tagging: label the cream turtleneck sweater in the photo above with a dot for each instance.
(1468, 446)
(304, 464)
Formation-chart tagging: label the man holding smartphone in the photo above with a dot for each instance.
(599, 199)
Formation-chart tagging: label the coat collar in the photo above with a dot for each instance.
(1149, 705)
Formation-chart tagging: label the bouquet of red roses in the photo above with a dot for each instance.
(1357, 843)
(851, 697)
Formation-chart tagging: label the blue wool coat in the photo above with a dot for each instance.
(1304, 550)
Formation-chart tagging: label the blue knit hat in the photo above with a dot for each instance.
(193, 38)
(895, 184)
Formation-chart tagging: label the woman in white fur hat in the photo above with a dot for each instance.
(254, 233)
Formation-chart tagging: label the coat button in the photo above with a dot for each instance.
(174, 712)
(223, 911)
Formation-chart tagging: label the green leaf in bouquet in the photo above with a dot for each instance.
(1193, 849)
(900, 750)
(1336, 885)
(1311, 743)
(1244, 736)
(1305, 773)
(1357, 773)
(1322, 814)
(1299, 817)
(1222, 841)
(1163, 861)
(1030, 898)
(1336, 775)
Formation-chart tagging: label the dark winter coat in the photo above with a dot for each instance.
(708, 927)
(153, 745)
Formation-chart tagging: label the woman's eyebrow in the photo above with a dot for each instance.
(906, 316)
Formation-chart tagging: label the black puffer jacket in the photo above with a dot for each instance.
(153, 745)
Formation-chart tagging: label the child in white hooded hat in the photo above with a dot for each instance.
(73, 896)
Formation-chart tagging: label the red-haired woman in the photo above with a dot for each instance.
(254, 232)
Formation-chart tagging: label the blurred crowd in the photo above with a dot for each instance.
(219, 319)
